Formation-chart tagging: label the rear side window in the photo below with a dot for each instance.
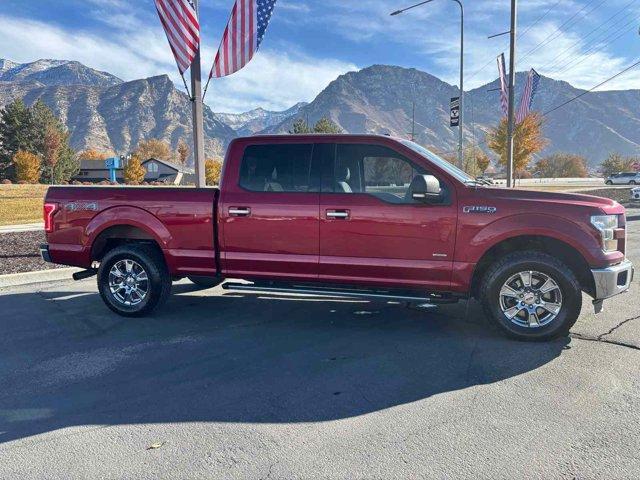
(376, 170)
(278, 168)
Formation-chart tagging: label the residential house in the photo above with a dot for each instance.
(94, 171)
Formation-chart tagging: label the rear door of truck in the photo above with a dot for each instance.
(269, 210)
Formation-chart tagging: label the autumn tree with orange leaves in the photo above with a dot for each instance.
(93, 154)
(527, 141)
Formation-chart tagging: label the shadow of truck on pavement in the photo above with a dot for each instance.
(68, 361)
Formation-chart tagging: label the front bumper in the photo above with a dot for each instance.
(44, 253)
(612, 280)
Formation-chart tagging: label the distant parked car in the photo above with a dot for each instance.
(635, 194)
(624, 178)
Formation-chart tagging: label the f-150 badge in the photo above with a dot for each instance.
(76, 206)
(479, 209)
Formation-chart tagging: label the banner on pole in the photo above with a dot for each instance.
(504, 100)
(454, 119)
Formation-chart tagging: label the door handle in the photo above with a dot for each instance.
(338, 214)
(239, 211)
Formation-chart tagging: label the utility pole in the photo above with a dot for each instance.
(512, 82)
(198, 122)
(461, 124)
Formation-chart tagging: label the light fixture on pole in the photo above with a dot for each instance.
(461, 132)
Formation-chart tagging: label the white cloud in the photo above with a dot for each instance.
(135, 55)
(271, 80)
(274, 81)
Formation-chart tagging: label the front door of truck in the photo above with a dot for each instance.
(269, 212)
(372, 231)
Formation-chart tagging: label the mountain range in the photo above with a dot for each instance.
(104, 112)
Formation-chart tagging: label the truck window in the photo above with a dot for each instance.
(376, 170)
(278, 168)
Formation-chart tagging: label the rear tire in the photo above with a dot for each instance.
(531, 296)
(608, 182)
(133, 280)
(632, 182)
(205, 282)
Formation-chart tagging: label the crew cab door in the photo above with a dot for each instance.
(268, 212)
(372, 231)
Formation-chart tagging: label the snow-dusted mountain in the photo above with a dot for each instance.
(258, 119)
(55, 72)
(102, 111)
(379, 99)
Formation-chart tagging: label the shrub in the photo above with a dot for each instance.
(6, 181)
(27, 167)
(134, 172)
(213, 169)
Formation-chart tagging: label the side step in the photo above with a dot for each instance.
(333, 291)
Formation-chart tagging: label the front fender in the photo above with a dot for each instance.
(578, 236)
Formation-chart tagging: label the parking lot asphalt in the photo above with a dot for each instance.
(241, 385)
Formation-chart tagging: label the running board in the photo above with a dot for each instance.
(338, 292)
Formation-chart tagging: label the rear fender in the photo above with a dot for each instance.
(131, 216)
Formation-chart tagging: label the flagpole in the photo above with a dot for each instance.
(198, 121)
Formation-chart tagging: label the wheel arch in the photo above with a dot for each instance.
(120, 225)
(540, 243)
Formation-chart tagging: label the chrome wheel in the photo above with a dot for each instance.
(530, 299)
(128, 282)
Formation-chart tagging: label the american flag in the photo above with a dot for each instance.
(504, 99)
(180, 22)
(530, 87)
(243, 35)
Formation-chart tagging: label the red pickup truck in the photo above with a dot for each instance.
(349, 215)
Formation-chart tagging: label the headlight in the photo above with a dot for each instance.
(606, 224)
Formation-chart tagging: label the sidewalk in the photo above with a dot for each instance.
(25, 227)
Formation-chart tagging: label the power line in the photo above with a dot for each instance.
(553, 62)
(591, 89)
(599, 47)
(539, 19)
(557, 107)
(556, 33)
(520, 35)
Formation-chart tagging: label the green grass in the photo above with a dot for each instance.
(21, 203)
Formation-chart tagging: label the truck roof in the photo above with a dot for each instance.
(324, 136)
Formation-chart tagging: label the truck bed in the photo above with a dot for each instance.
(181, 221)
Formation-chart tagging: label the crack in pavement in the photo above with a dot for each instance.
(601, 338)
(617, 327)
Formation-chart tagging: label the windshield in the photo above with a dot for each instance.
(440, 162)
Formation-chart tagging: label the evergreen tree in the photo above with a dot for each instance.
(325, 125)
(300, 126)
(16, 133)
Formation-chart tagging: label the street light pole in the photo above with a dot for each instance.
(461, 132)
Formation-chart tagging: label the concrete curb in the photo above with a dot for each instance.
(25, 227)
(42, 276)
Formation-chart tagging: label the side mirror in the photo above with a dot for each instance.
(425, 188)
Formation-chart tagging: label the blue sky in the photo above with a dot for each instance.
(310, 43)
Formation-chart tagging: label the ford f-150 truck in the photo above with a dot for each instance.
(349, 215)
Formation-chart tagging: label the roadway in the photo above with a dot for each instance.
(229, 385)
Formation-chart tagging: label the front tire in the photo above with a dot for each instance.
(133, 280)
(531, 296)
(608, 182)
